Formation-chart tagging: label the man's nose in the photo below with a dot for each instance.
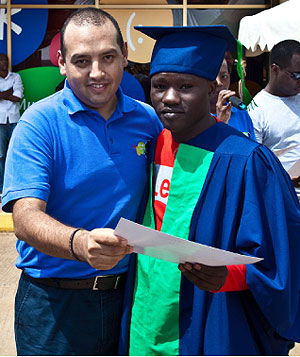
(96, 70)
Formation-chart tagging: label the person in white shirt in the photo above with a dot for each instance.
(276, 116)
(11, 92)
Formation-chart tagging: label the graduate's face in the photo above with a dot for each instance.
(182, 103)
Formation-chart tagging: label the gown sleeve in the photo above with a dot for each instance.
(270, 228)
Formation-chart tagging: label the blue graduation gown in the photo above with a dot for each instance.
(247, 205)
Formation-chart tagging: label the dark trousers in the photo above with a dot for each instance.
(52, 321)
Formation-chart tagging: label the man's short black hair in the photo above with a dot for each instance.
(90, 16)
(282, 53)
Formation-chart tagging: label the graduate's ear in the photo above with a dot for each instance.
(212, 86)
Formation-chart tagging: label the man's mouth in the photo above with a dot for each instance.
(97, 85)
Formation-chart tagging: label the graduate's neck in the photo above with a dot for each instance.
(190, 133)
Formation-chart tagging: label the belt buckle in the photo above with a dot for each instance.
(117, 282)
(95, 285)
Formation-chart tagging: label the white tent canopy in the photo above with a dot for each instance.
(260, 32)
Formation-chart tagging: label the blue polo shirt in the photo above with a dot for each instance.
(90, 171)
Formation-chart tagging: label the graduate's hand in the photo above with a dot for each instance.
(203, 276)
(296, 181)
(223, 109)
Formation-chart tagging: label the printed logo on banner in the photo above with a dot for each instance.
(39, 82)
(28, 28)
(163, 175)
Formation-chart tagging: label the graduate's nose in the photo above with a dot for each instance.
(171, 96)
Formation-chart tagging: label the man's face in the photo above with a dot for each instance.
(286, 85)
(3, 63)
(181, 102)
(94, 65)
(223, 81)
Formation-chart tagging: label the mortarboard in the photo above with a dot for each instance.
(197, 50)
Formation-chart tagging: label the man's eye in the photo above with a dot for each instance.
(81, 62)
(108, 58)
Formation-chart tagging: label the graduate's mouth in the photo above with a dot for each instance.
(171, 114)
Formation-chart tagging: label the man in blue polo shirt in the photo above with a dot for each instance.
(77, 162)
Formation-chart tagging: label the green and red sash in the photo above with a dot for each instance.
(154, 326)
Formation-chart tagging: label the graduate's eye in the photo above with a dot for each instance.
(158, 86)
(186, 86)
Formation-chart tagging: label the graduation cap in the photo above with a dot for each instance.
(197, 50)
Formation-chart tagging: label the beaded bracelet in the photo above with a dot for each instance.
(71, 244)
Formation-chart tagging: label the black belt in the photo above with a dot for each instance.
(102, 282)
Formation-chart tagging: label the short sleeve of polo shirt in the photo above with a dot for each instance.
(29, 163)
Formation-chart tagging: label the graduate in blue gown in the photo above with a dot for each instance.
(222, 108)
(212, 185)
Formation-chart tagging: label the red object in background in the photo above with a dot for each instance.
(54, 47)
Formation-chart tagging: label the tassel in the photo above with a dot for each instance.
(247, 98)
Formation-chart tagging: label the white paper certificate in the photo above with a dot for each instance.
(164, 246)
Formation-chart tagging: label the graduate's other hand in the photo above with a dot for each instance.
(204, 277)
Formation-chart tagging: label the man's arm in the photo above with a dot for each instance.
(100, 248)
(13, 98)
(8, 95)
(258, 124)
(18, 89)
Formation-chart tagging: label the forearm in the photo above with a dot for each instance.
(100, 248)
(34, 226)
(6, 93)
(13, 98)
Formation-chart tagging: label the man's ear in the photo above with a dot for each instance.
(275, 68)
(61, 63)
(212, 86)
(125, 55)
